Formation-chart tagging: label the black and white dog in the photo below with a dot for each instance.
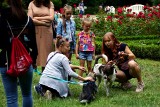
(107, 72)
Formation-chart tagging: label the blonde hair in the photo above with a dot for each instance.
(66, 7)
(86, 20)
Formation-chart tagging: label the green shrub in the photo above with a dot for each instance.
(142, 48)
(146, 51)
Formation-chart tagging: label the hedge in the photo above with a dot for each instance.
(142, 48)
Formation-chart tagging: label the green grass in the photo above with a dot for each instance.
(118, 97)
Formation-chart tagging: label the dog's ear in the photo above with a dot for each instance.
(108, 69)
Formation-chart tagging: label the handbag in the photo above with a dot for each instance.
(20, 58)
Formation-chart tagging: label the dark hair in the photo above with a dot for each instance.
(111, 53)
(63, 15)
(17, 9)
(45, 3)
(60, 41)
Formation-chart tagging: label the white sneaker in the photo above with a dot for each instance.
(48, 95)
(140, 87)
(84, 101)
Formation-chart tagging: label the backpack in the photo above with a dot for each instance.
(20, 59)
(88, 92)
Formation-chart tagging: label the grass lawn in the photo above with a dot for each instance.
(118, 97)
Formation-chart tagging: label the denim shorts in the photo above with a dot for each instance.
(86, 55)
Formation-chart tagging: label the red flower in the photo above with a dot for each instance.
(121, 17)
(150, 9)
(109, 18)
(129, 10)
(130, 15)
(140, 13)
(145, 7)
(74, 5)
(124, 7)
(150, 15)
(120, 10)
(134, 13)
(120, 22)
(97, 21)
(80, 16)
(87, 15)
(143, 16)
(61, 10)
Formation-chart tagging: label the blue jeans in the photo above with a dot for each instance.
(11, 89)
(81, 12)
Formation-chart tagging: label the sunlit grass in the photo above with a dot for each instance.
(118, 98)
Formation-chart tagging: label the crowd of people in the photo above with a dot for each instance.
(39, 40)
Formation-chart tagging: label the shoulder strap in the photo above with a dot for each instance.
(51, 57)
(21, 30)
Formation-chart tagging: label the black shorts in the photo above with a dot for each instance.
(127, 74)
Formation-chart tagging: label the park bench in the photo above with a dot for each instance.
(136, 8)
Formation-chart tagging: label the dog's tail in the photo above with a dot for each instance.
(101, 56)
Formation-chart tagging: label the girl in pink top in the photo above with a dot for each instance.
(85, 46)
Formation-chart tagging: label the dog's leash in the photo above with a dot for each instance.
(61, 80)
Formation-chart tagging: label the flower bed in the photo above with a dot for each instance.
(126, 23)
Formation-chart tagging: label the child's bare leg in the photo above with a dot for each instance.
(89, 66)
(82, 63)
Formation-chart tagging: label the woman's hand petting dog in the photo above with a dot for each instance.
(88, 78)
(110, 62)
(122, 56)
